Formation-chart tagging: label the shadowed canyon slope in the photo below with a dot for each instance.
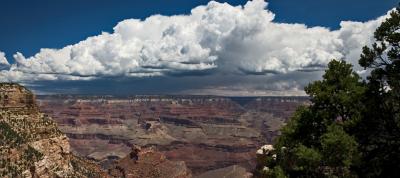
(206, 132)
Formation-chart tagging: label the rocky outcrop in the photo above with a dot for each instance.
(15, 96)
(31, 144)
(150, 164)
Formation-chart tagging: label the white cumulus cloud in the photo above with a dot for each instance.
(217, 37)
(3, 60)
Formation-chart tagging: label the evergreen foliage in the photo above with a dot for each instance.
(352, 126)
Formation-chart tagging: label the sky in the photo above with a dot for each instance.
(181, 47)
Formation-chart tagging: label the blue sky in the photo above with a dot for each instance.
(27, 26)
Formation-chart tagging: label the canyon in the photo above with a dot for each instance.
(210, 134)
(32, 146)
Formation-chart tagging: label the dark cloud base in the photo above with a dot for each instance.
(207, 84)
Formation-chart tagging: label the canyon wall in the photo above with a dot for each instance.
(31, 144)
(206, 132)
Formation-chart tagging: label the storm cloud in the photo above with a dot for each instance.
(216, 39)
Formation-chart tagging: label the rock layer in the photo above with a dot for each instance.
(31, 145)
(206, 132)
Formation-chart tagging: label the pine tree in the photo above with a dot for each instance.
(352, 126)
(379, 131)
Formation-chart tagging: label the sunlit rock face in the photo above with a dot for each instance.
(31, 144)
(15, 96)
(206, 132)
